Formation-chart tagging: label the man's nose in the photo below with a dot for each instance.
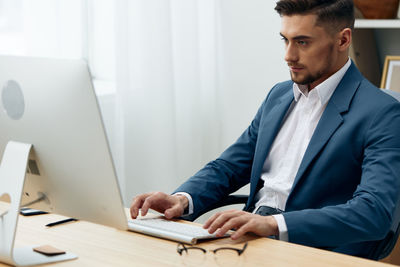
(291, 54)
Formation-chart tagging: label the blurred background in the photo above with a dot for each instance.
(177, 80)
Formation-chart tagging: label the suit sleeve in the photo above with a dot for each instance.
(368, 215)
(227, 173)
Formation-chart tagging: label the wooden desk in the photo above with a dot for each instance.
(97, 245)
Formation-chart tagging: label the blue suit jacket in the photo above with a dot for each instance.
(348, 183)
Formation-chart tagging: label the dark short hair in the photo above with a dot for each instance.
(334, 15)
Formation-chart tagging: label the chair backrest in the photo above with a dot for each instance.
(387, 244)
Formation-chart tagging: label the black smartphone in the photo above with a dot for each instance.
(30, 212)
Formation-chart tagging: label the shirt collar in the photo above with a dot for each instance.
(324, 89)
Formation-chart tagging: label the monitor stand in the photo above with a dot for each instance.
(12, 177)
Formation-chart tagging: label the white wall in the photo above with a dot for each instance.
(252, 61)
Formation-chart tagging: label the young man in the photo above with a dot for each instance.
(322, 154)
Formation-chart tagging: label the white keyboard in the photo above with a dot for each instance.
(182, 232)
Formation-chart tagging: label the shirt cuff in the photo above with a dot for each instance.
(282, 227)
(189, 198)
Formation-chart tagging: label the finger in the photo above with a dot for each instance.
(158, 201)
(256, 224)
(211, 223)
(233, 223)
(148, 202)
(211, 220)
(240, 231)
(137, 203)
(221, 220)
(175, 211)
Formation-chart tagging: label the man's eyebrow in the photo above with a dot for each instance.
(299, 37)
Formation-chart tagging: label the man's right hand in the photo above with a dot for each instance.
(170, 205)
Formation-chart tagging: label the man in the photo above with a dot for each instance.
(322, 154)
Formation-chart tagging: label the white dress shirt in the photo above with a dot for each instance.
(287, 151)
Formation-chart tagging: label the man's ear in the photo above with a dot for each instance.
(344, 39)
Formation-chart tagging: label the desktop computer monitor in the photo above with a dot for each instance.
(51, 104)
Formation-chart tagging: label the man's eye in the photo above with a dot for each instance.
(302, 42)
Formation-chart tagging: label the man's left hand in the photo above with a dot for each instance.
(243, 222)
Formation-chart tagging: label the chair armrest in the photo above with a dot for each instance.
(230, 200)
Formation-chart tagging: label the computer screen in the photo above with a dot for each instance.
(51, 104)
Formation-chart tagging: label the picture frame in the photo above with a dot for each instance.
(391, 73)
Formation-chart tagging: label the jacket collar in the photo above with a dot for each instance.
(331, 119)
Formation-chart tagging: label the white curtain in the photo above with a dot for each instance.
(190, 76)
(177, 80)
(41, 28)
(167, 90)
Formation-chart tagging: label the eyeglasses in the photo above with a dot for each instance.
(223, 256)
(183, 248)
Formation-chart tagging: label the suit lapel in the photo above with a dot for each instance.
(269, 128)
(331, 119)
(328, 124)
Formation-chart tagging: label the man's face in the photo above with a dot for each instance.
(310, 50)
